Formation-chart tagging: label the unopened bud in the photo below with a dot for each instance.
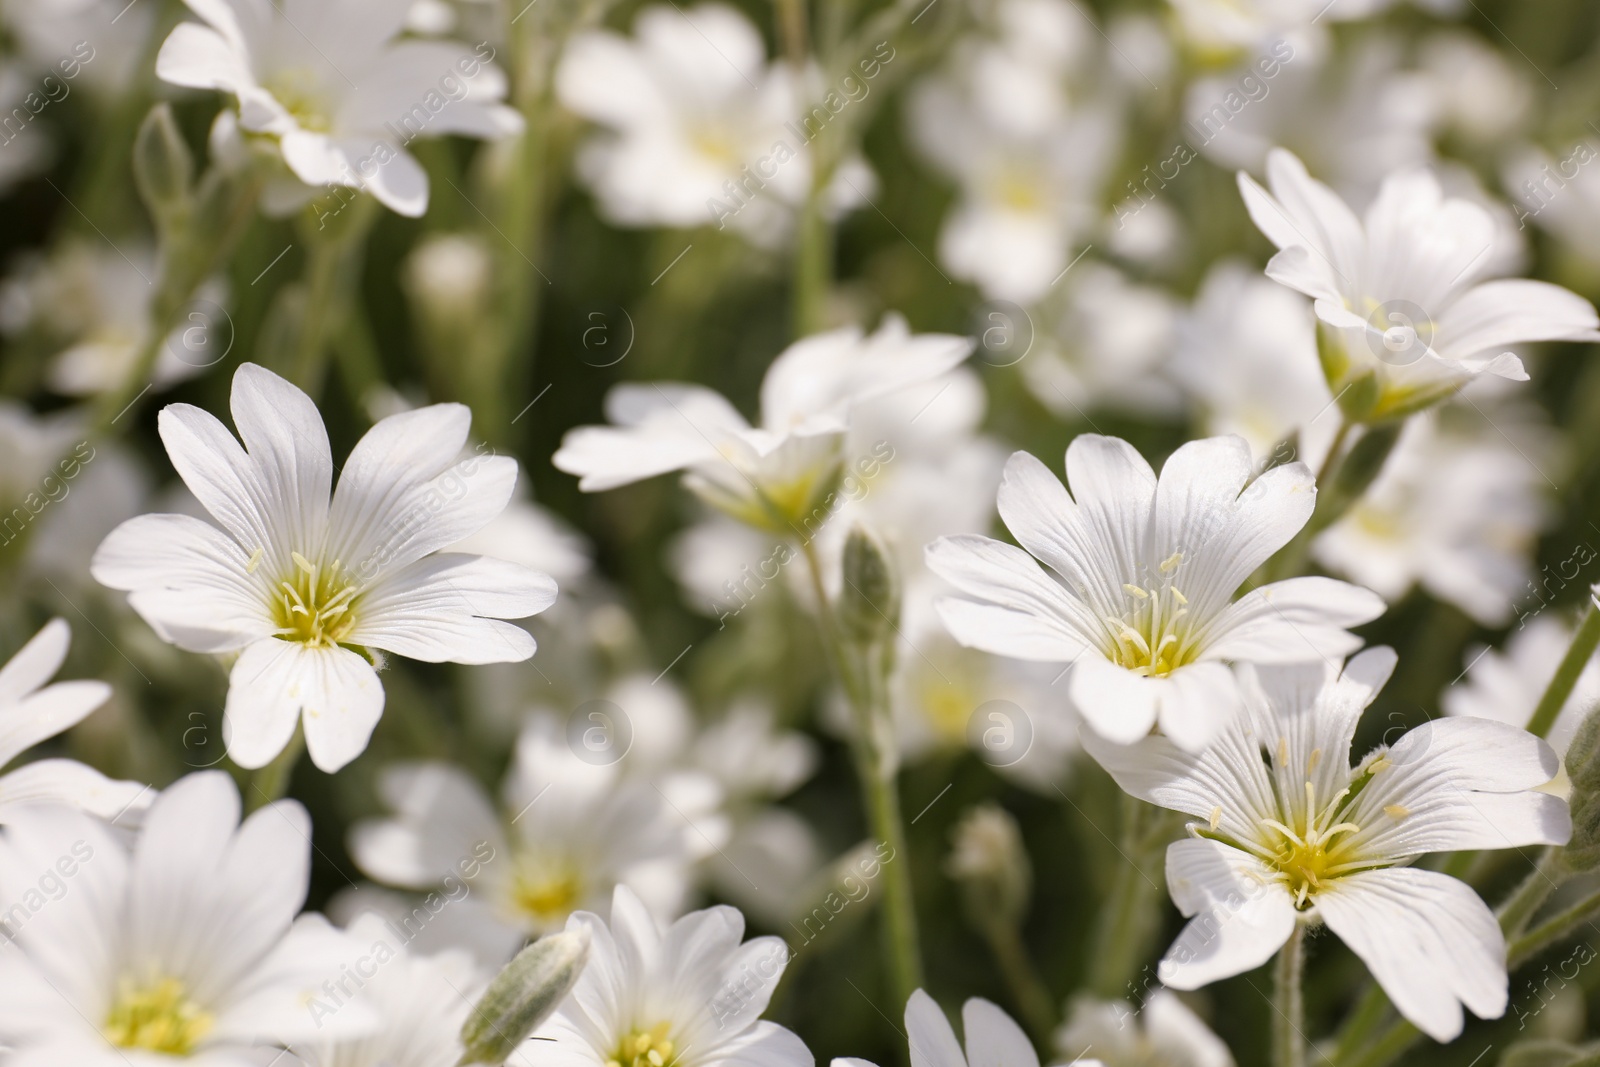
(163, 168)
(988, 861)
(869, 601)
(1583, 756)
(1543, 1054)
(524, 995)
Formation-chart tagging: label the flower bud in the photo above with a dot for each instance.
(869, 601)
(163, 168)
(523, 995)
(988, 861)
(1542, 1054)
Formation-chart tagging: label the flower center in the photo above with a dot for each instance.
(547, 895)
(299, 92)
(1150, 638)
(1307, 854)
(158, 1016)
(314, 605)
(645, 1048)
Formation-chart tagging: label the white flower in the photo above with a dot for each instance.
(776, 474)
(1289, 832)
(302, 589)
(101, 46)
(30, 712)
(694, 113)
(689, 995)
(422, 1001)
(1247, 351)
(1506, 685)
(1138, 599)
(95, 300)
(184, 947)
(1405, 287)
(339, 94)
(993, 1038)
(1164, 1033)
(1458, 513)
(570, 829)
(1029, 157)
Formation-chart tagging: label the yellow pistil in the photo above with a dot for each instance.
(299, 91)
(315, 604)
(645, 1048)
(1150, 638)
(158, 1017)
(1308, 854)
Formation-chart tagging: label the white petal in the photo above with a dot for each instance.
(1117, 704)
(993, 1037)
(200, 58)
(259, 715)
(1197, 703)
(1511, 311)
(73, 784)
(188, 580)
(1033, 615)
(446, 609)
(932, 1039)
(288, 445)
(1299, 620)
(1428, 940)
(343, 702)
(35, 663)
(1241, 918)
(442, 816)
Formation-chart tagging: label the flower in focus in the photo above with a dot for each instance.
(339, 95)
(1289, 832)
(572, 831)
(1404, 288)
(31, 711)
(1166, 1033)
(993, 1038)
(305, 591)
(1138, 598)
(422, 1001)
(1505, 685)
(688, 995)
(185, 946)
(1458, 513)
(775, 475)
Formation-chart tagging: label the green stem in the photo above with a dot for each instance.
(1389, 1047)
(1033, 997)
(1126, 918)
(332, 275)
(1545, 878)
(271, 782)
(813, 267)
(876, 760)
(1288, 1002)
(1552, 930)
(1560, 688)
(1369, 1011)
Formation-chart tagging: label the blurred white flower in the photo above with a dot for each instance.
(95, 299)
(1289, 832)
(993, 1038)
(1355, 115)
(99, 45)
(304, 590)
(690, 994)
(1105, 346)
(1247, 351)
(32, 711)
(775, 476)
(533, 537)
(1160, 1032)
(421, 1000)
(1505, 685)
(570, 830)
(1456, 513)
(185, 946)
(1138, 601)
(1405, 288)
(1478, 91)
(1560, 194)
(1030, 157)
(341, 97)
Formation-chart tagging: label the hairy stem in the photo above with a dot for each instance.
(1288, 1002)
(1560, 688)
